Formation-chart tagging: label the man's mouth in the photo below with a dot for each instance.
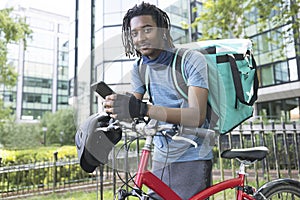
(144, 47)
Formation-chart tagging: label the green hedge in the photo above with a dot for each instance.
(12, 157)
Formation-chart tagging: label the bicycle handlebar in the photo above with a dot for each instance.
(151, 129)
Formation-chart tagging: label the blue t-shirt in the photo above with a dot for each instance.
(164, 93)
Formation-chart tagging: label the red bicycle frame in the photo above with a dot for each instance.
(145, 177)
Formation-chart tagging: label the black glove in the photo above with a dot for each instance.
(127, 107)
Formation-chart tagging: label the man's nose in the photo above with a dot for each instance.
(141, 36)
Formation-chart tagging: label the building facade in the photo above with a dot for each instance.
(43, 68)
(99, 56)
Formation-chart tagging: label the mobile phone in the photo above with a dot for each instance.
(102, 89)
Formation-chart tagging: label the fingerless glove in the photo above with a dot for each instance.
(137, 108)
(127, 106)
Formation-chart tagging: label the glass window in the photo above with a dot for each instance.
(62, 100)
(32, 113)
(99, 72)
(110, 7)
(179, 36)
(39, 55)
(281, 73)
(43, 40)
(63, 44)
(130, 3)
(293, 70)
(113, 32)
(262, 45)
(267, 75)
(63, 28)
(98, 14)
(63, 73)
(290, 48)
(62, 85)
(270, 110)
(99, 38)
(37, 82)
(113, 53)
(115, 69)
(9, 96)
(276, 42)
(259, 76)
(33, 98)
(63, 58)
(71, 87)
(251, 17)
(120, 71)
(38, 70)
(112, 19)
(281, 110)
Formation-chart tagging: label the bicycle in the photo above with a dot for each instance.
(275, 189)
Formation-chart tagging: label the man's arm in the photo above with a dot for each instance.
(193, 116)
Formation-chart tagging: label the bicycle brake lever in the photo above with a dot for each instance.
(176, 137)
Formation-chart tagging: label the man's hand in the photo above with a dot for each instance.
(125, 107)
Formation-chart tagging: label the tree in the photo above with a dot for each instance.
(12, 29)
(230, 18)
(61, 129)
(20, 135)
(60, 125)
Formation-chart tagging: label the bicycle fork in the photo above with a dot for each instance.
(122, 194)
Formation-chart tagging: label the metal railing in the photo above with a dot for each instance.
(45, 177)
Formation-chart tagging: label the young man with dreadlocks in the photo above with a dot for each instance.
(146, 34)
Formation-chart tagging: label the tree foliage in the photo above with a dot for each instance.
(230, 18)
(20, 136)
(60, 126)
(12, 29)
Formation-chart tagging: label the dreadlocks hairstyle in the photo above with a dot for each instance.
(161, 18)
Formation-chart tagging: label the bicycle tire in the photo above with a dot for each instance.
(279, 189)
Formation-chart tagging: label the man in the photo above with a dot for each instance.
(146, 33)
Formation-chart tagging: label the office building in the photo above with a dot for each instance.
(43, 68)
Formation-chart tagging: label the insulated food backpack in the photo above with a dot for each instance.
(232, 80)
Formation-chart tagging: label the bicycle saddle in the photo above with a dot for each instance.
(248, 154)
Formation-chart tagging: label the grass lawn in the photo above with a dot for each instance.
(108, 195)
(72, 196)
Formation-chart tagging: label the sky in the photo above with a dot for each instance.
(56, 6)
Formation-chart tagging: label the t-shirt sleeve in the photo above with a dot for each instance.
(136, 81)
(196, 69)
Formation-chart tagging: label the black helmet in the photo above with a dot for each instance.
(95, 139)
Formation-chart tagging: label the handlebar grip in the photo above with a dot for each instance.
(200, 132)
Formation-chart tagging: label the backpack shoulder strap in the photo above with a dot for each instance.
(180, 82)
(144, 75)
(179, 79)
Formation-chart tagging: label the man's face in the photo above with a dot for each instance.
(146, 36)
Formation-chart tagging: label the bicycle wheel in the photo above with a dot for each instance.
(286, 189)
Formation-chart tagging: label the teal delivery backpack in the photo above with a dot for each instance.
(232, 79)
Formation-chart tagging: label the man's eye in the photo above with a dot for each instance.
(147, 30)
(133, 34)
